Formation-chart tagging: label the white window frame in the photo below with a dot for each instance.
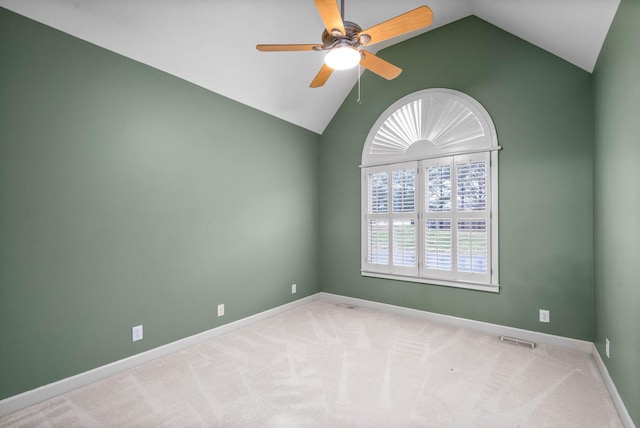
(391, 145)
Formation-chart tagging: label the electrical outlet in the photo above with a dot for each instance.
(221, 309)
(544, 315)
(293, 289)
(136, 333)
(606, 347)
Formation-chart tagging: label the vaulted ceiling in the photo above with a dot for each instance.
(211, 43)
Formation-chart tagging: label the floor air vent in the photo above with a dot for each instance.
(517, 341)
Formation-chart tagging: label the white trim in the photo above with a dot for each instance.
(45, 392)
(613, 391)
(494, 220)
(420, 157)
(494, 329)
(492, 288)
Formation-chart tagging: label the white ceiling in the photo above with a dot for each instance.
(212, 42)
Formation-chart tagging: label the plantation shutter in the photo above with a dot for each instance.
(439, 251)
(377, 218)
(457, 218)
(473, 217)
(391, 219)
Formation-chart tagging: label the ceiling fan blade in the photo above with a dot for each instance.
(283, 48)
(379, 66)
(401, 24)
(322, 76)
(330, 14)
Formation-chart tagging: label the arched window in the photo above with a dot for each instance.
(430, 192)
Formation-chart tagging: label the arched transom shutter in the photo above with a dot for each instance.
(429, 123)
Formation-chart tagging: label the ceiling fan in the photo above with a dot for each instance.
(341, 39)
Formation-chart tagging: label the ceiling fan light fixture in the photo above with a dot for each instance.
(342, 57)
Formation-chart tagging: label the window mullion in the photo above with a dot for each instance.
(420, 211)
(390, 216)
(454, 218)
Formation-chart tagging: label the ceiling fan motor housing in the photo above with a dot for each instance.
(352, 37)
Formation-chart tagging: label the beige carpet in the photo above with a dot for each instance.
(322, 365)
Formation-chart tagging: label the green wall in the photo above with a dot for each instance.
(128, 196)
(617, 203)
(542, 107)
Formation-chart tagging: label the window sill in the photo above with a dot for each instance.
(491, 288)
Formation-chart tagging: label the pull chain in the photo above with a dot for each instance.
(359, 100)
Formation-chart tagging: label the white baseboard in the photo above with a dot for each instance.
(45, 392)
(495, 329)
(500, 330)
(613, 391)
(28, 398)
